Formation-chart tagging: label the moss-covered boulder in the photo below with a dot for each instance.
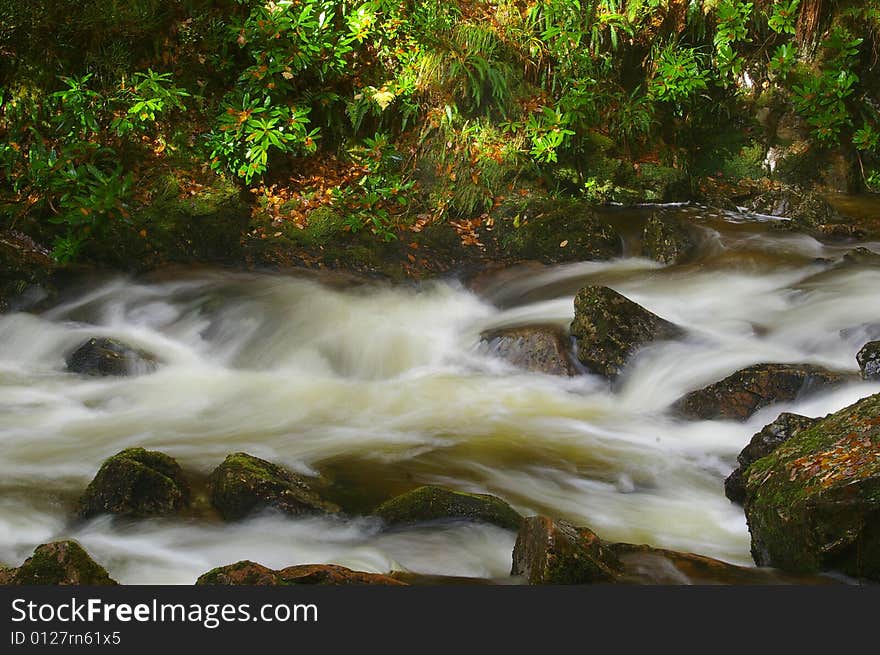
(104, 356)
(554, 231)
(743, 393)
(667, 240)
(136, 483)
(813, 504)
(762, 444)
(555, 552)
(807, 210)
(533, 348)
(61, 563)
(610, 328)
(432, 503)
(253, 574)
(869, 360)
(243, 484)
(7, 573)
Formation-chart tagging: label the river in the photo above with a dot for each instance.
(376, 388)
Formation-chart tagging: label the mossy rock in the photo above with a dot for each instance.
(813, 504)
(667, 240)
(762, 444)
(532, 348)
(243, 484)
(7, 574)
(136, 483)
(253, 574)
(869, 360)
(741, 394)
(610, 328)
(657, 183)
(105, 356)
(432, 503)
(549, 552)
(555, 231)
(61, 563)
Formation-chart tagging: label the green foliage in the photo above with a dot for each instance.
(783, 16)
(680, 75)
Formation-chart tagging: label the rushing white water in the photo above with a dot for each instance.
(385, 387)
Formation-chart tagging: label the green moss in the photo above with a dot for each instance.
(61, 563)
(813, 503)
(243, 484)
(136, 482)
(431, 503)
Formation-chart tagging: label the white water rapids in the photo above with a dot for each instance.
(380, 388)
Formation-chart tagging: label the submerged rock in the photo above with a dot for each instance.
(813, 504)
(536, 349)
(61, 563)
(432, 503)
(243, 484)
(556, 552)
(645, 565)
(861, 257)
(250, 574)
(136, 482)
(762, 444)
(667, 240)
(869, 360)
(609, 328)
(743, 393)
(109, 357)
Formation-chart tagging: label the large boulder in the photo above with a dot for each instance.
(762, 444)
(609, 328)
(432, 503)
(243, 484)
(807, 210)
(536, 349)
(813, 504)
(109, 357)
(869, 360)
(667, 240)
(136, 482)
(743, 393)
(61, 563)
(253, 574)
(555, 553)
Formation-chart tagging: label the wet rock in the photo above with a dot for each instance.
(813, 504)
(869, 360)
(556, 552)
(26, 270)
(743, 393)
(609, 328)
(861, 257)
(762, 444)
(136, 482)
(806, 209)
(432, 503)
(536, 349)
(109, 357)
(554, 231)
(645, 565)
(250, 574)
(61, 563)
(243, 484)
(667, 240)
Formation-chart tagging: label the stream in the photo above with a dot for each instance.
(376, 388)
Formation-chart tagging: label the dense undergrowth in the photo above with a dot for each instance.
(348, 116)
